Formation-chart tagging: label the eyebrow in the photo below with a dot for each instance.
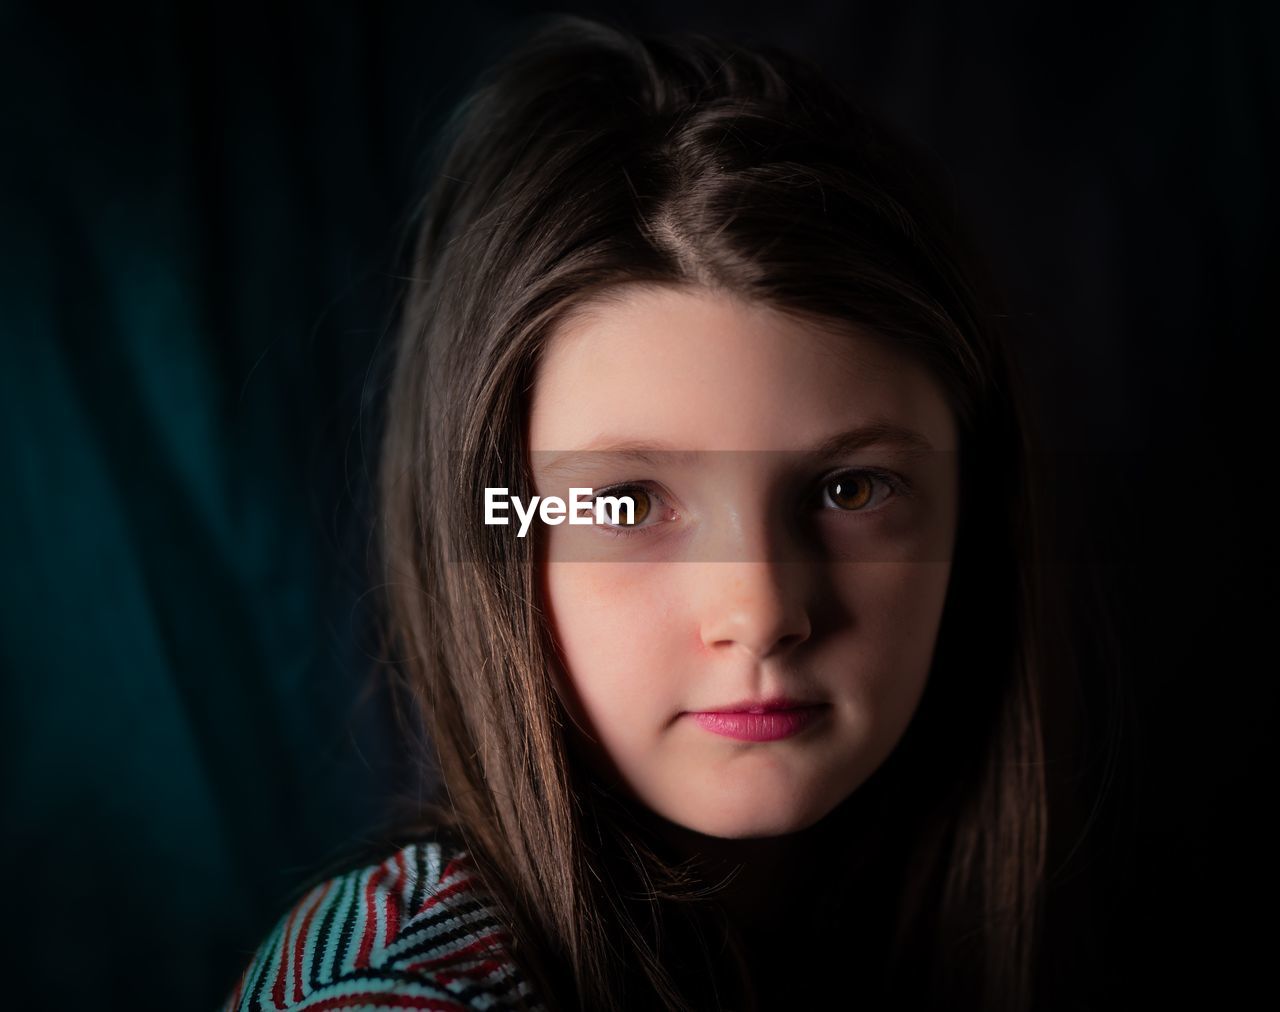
(878, 433)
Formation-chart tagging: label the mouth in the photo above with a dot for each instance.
(760, 724)
(768, 705)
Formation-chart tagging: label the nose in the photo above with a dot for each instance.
(757, 606)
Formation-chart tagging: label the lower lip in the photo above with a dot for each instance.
(772, 726)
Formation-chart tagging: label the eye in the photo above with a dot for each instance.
(644, 505)
(859, 491)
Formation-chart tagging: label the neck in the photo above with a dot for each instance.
(756, 877)
(816, 894)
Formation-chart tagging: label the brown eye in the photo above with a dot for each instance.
(640, 504)
(851, 491)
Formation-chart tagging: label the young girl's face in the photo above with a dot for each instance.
(809, 561)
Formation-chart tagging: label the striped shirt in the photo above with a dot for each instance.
(414, 932)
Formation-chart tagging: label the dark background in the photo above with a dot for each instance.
(200, 210)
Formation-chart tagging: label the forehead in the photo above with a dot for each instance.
(706, 371)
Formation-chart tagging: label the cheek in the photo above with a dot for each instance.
(613, 625)
(896, 610)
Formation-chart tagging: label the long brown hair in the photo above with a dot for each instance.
(587, 159)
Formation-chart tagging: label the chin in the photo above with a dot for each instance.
(752, 822)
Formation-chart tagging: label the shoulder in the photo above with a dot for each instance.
(414, 931)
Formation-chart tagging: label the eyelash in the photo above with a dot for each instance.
(898, 486)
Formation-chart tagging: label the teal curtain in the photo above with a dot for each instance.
(200, 223)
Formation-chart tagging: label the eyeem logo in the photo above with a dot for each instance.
(553, 510)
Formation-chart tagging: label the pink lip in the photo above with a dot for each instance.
(770, 725)
(763, 705)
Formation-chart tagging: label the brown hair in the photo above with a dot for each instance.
(589, 159)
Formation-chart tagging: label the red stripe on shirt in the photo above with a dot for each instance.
(302, 935)
(277, 989)
(477, 972)
(460, 886)
(393, 903)
(482, 944)
(371, 915)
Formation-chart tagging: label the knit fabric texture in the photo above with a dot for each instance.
(414, 932)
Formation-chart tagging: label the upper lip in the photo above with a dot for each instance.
(761, 705)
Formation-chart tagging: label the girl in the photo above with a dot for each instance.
(777, 740)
